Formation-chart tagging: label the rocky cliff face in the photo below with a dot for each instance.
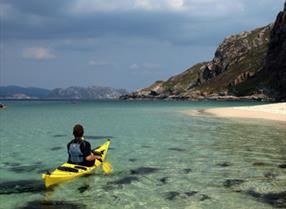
(244, 66)
(275, 64)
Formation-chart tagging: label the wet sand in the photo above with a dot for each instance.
(275, 111)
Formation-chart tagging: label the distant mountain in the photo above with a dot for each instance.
(22, 92)
(250, 65)
(93, 92)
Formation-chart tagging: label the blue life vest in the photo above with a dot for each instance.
(76, 156)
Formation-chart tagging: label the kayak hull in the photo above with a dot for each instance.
(68, 171)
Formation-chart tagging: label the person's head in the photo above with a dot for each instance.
(78, 131)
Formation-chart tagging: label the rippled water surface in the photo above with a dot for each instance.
(161, 157)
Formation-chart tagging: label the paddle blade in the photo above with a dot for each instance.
(106, 167)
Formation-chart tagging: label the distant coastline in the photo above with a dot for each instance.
(70, 93)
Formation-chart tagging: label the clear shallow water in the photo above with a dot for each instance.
(161, 157)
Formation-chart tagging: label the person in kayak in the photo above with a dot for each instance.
(79, 150)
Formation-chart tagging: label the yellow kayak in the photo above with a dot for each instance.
(69, 171)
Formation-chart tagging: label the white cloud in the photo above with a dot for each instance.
(38, 53)
(151, 65)
(176, 4)
(146, 66)
(98, 63)
(4, 10)
(213, 8)
(195, 7)
(91, 6)
(134, 66)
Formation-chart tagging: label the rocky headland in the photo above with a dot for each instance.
(249, 65)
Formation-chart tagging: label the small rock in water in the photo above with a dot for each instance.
(282, 165)
(37, 204)
(82, 189)
(224, 164)
(232, 182)
(144, 170)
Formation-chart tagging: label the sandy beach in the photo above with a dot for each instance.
(275, 111)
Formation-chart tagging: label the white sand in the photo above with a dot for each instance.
(275, 111)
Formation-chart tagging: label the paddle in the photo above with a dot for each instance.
(106, 166)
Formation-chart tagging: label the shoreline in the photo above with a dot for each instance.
(276, 112)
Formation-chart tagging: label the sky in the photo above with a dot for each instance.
(118, 43)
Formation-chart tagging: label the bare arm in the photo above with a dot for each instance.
(92, 157)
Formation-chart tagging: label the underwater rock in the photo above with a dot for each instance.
(125, 180)
(172, 195)
(24, 168)
(269, 174)
(190, 193)
(204, 197)
(144, 170)
(55, 148)
(45, 170)
(82, 189)
(224, 164)
(21, 186)
(177, 149)
(187, 170)
(59, 135)
(259, 164)
(277, 200)
(11, 164)
(282, 165)
(164, 180)
(232, 182)
(146, 146)
(37, 204)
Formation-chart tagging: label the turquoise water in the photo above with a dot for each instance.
(161, 157)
